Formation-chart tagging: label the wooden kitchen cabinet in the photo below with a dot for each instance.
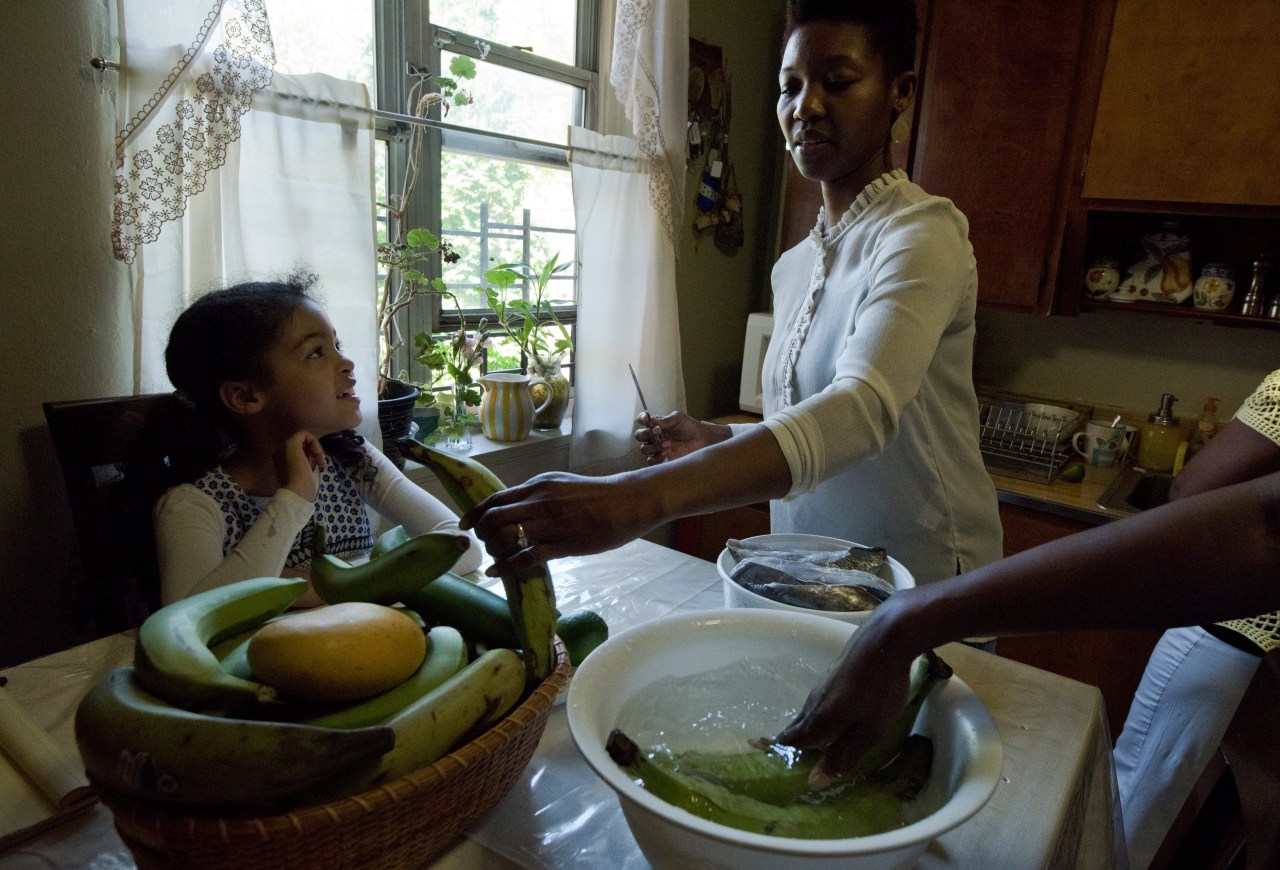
(999, 131)
(1111, 660)
(1188, 106)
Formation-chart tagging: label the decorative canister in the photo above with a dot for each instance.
(1215, 287)
(553, 398)
(506, 411)
(1164, 272)
(1102, 277)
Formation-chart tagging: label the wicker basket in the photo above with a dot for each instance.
(402, 824)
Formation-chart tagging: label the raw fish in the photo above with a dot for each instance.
(817, 588)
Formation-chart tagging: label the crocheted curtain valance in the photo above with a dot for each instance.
(180, 107)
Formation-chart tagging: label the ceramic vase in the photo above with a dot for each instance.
(551, 396)
(1215, 287)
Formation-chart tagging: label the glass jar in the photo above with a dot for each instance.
(1102, 277)
(1215, 287)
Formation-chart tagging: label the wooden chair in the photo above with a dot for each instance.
(1229, 820)
(99, 446)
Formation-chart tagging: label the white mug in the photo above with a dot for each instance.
(1103, 442)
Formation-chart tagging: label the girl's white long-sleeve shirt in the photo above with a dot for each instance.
(191, 529)
(868, 384)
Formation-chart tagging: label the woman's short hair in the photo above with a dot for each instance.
(890, 24)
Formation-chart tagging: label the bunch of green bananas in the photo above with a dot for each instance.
(179, 726)
(767, 791)
(189, 723)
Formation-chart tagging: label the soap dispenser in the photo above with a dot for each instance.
(1161, 437)
(1205, 428)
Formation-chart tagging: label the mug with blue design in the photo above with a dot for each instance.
(1103, 442)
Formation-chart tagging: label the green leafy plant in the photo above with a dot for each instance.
(408, 254)
(531, 323)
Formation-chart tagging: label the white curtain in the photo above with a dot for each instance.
(628, 193)
(274, 175)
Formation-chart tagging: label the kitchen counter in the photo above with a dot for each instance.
(1077, 501)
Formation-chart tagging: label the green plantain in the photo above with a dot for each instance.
(429, 728)
(858, 808)
(135, 743)
(173, 658)
(531, 596)
(387, 578)
(766, 790)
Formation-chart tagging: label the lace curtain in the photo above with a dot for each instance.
(227, 171)
(628, 192)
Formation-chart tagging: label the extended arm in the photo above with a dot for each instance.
(1149, 570)
(565, 514)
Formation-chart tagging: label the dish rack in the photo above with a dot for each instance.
(1017, 440)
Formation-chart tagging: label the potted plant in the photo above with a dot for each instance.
(533, 326)
(406, 259)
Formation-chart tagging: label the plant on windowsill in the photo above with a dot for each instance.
(533, 326)
(407, 256)
(451, 358)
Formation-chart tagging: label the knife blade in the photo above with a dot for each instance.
(644, 406)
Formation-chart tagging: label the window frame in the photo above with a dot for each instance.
(405, 40)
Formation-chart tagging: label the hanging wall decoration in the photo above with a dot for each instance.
(718, 201)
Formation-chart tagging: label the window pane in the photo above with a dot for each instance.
(483, 206)
(518, 104)
(546, 28)
(326, 36)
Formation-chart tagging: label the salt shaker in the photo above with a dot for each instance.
(1255, 299)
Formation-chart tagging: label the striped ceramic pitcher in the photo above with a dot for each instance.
(506, 411)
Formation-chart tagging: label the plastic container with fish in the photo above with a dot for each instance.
(736, 595)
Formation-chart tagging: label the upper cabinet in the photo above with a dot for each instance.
(999, 84)
(1189, 104)
(1066, 131)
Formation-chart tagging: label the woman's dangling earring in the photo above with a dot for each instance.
(901, 129)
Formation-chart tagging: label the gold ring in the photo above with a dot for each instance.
(521, 538)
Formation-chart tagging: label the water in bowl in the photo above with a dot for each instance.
(719, 710)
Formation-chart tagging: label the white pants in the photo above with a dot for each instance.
(1188, 694)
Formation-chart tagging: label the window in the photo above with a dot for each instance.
(495, 179)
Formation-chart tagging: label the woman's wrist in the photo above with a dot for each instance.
(907, 625)
(714, 433)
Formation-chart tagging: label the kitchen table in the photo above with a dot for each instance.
(1054, 806)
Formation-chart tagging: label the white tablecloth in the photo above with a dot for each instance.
(1053, 808)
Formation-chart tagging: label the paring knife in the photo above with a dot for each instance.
(644, 406)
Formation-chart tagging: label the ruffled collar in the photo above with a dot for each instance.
(826, 235)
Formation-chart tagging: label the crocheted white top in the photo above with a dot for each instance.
(1261, 411)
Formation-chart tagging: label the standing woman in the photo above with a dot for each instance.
(871, 420)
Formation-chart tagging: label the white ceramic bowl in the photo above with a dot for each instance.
(1051, 422)
(967, 750)
(736, 595)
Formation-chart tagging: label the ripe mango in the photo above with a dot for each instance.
(340, 652)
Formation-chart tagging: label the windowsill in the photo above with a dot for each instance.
(513, 461)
